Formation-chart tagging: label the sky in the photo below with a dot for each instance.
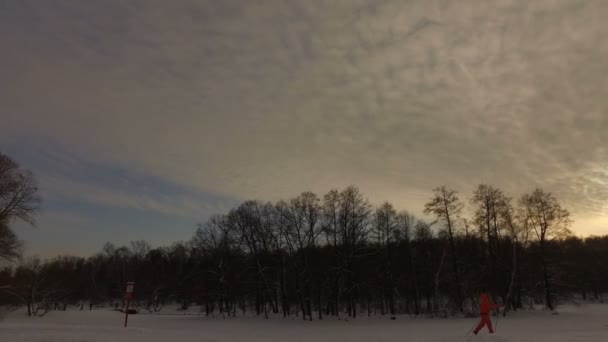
(142, 118)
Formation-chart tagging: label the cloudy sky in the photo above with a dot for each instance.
(141, 118)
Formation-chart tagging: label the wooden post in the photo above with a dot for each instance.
(128, 296)
(127, 311)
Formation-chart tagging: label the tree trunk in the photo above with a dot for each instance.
(319, 299)
(508, 300)
(547, 286)
(437, 274)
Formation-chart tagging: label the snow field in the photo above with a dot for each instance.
(573, 323)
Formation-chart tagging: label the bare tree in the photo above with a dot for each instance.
(300, 226)
(353, 231)
(446, 207)
(18, 201)
(489, 204)
(422, 231)
(492, 215)
(330, 219)
(254, 224)
(34, 289)
(10, 246)
(404, 234)
(519, 234)
(386, 228)
(346, 217)
(18, 198)
(139, 249)
(405, 226)
(548, 221)
(215, 239)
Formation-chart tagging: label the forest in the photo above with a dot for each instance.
(314, 256)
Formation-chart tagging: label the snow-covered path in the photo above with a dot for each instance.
(574, 323)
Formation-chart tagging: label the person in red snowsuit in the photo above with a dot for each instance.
(485, 306)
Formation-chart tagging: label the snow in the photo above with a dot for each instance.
(573, 323)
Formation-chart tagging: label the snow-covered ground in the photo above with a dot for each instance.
(573, 323)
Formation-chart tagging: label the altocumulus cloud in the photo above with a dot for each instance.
(266, 99)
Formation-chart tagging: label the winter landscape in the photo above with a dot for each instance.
(303, 170)
(573, 323)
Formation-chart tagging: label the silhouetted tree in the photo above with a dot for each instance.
(334, 256)
(490, 205)
(386, 229)
(548, 220)
(18, 201)
(446, 207)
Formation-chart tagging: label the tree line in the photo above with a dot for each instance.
(335, 255)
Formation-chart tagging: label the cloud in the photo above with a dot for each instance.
(267, 99)
(63, 217)
(186, 207)
(67, 178)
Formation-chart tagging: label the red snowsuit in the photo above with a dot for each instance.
(485, 307)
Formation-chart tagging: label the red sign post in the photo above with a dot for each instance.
(128, 296)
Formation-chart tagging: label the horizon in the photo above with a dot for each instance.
(50, 254)
(141, 120)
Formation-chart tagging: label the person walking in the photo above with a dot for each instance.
(485, 307)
